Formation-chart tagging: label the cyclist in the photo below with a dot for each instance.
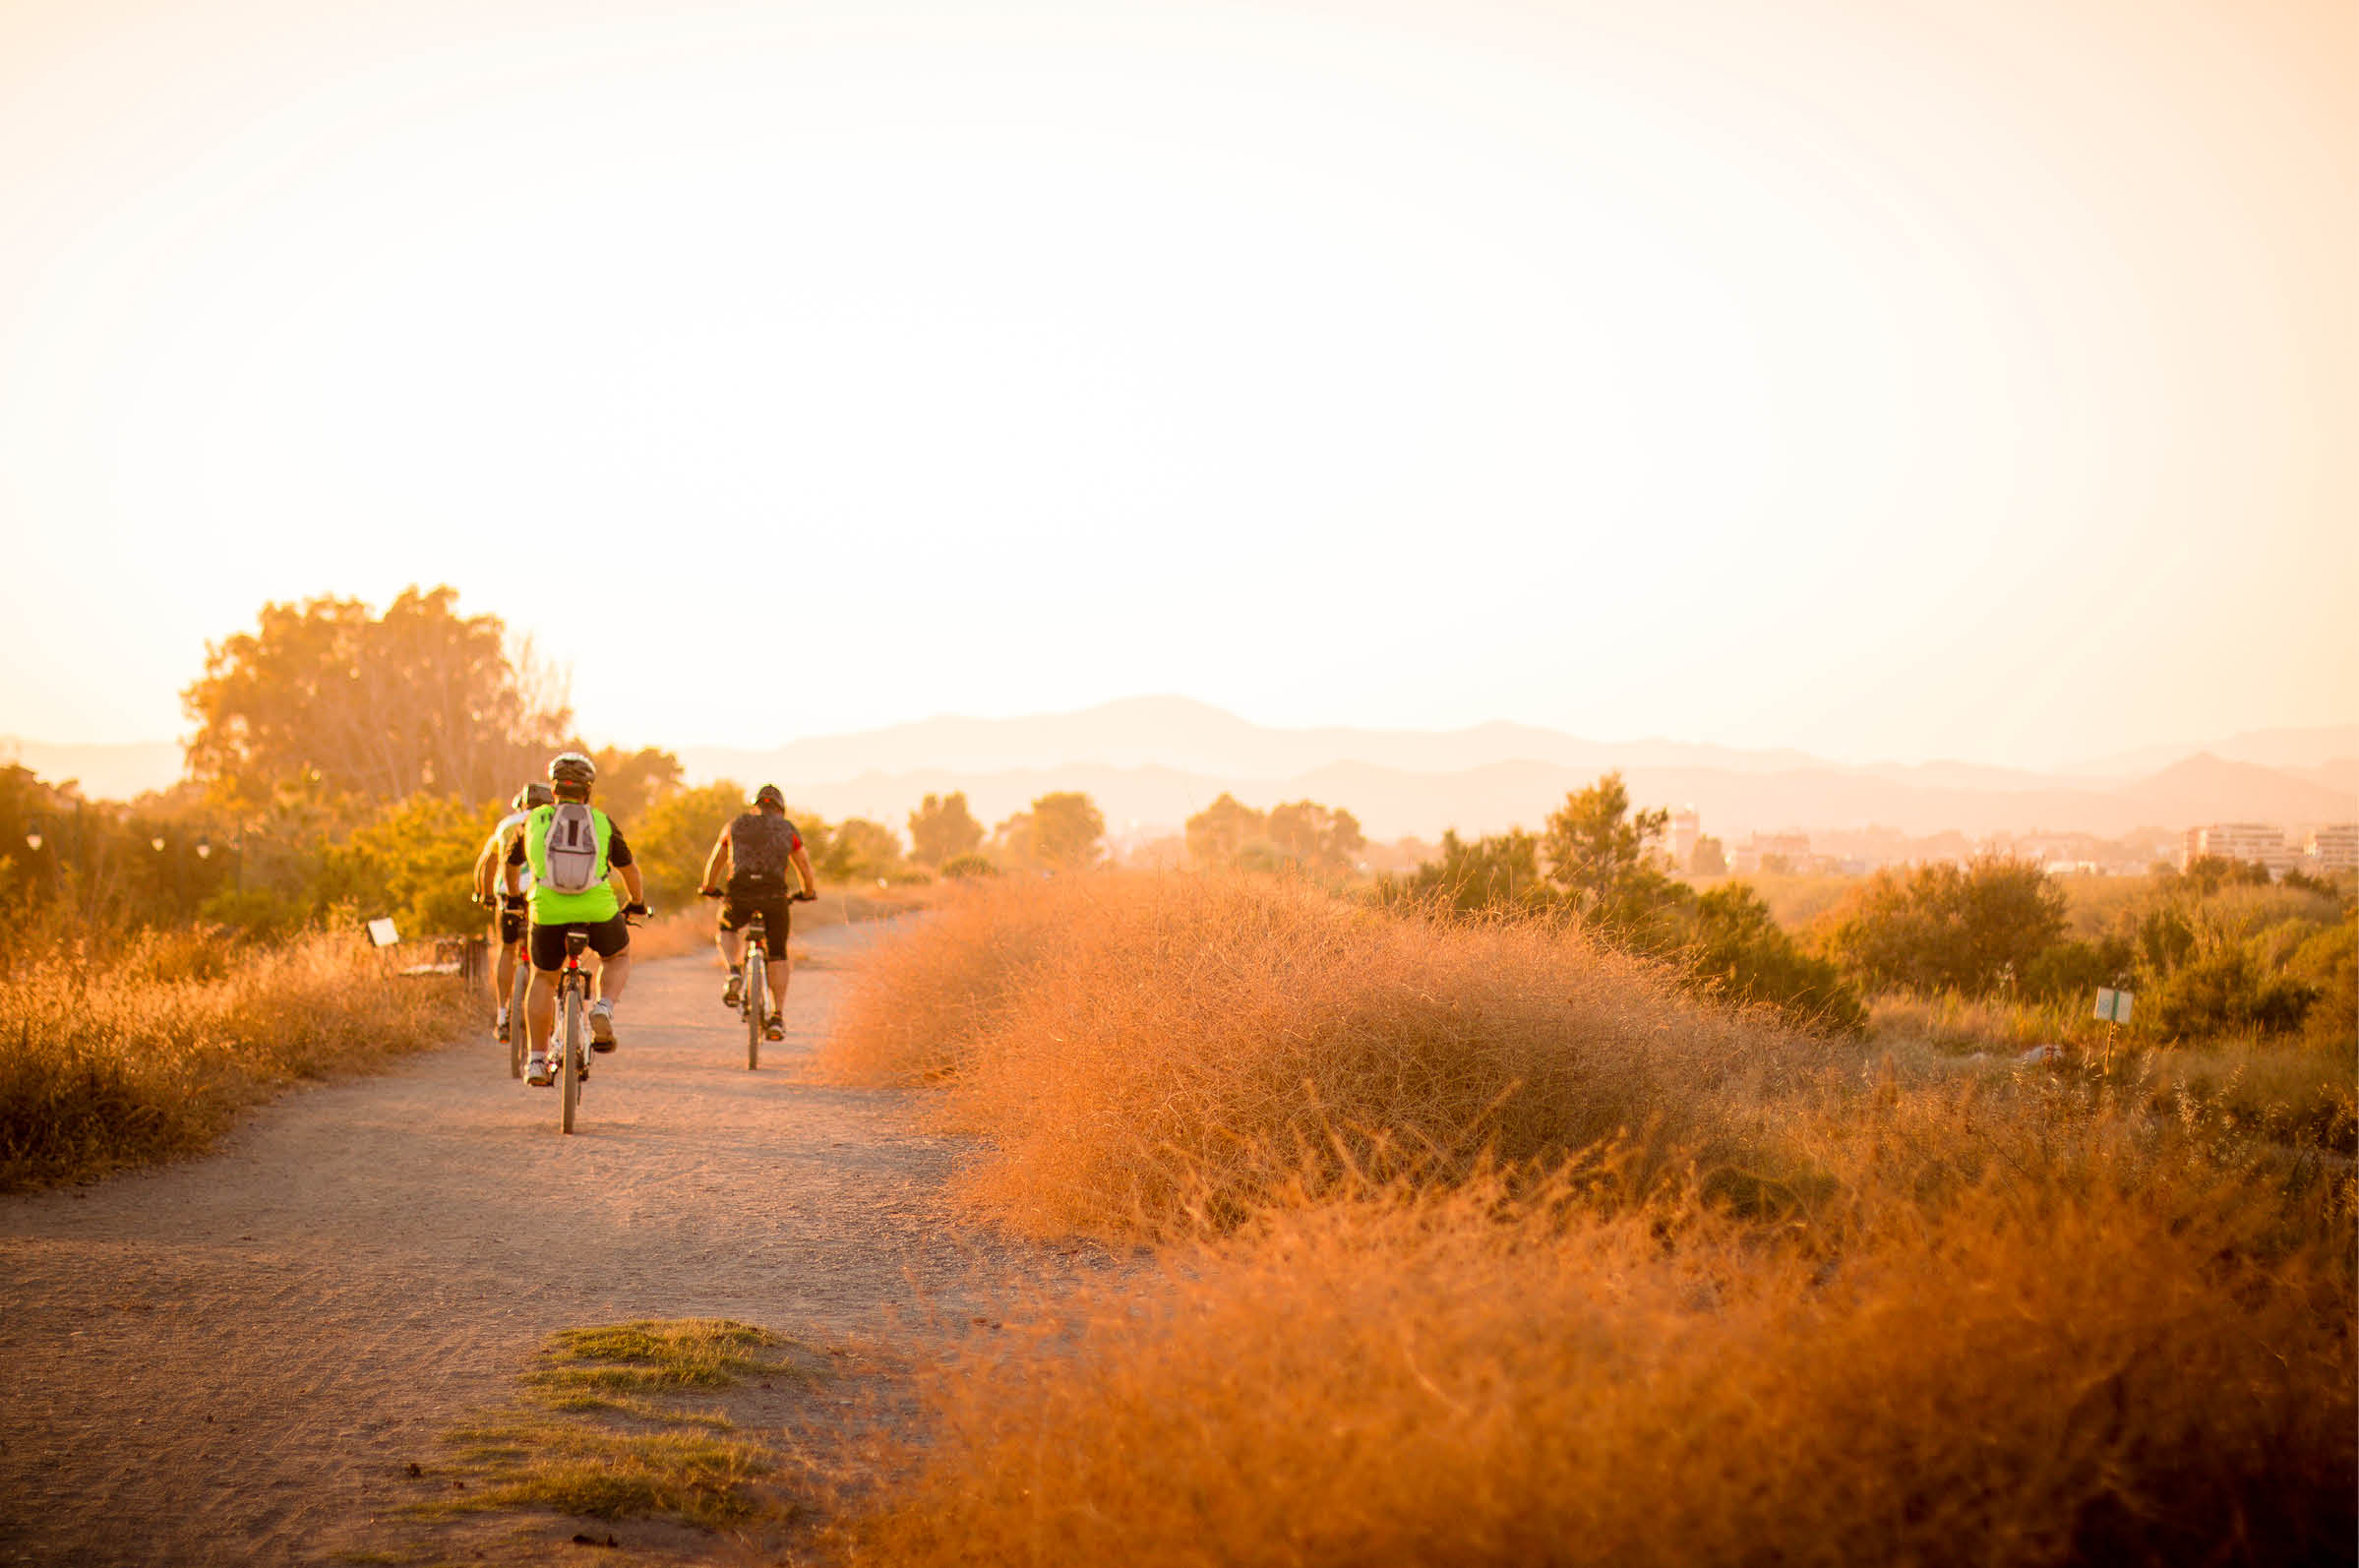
(593, 911)
(508, 909)
(753, 852)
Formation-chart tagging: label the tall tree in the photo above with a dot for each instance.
(942, 828)
(629, 782)
(1317, 837)
(1067, 829)
(1598, 853)
(329, 697)
(1218, 834)
(861, 850)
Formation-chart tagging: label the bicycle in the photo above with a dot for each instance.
(515, 904)
(572, 1021)
(754, 995)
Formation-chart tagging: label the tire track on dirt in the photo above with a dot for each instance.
(232, 1360)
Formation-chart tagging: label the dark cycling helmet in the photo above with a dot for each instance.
(571, 767)
(769, 795)
(532, 795)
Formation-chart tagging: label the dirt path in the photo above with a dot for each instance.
(232, 1360)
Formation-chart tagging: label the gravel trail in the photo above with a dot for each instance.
(231, 1360)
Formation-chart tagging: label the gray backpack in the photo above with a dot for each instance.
(572, 849)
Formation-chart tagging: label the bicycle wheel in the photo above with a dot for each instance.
(569, 1072)
(757, 976)
(518, 1033)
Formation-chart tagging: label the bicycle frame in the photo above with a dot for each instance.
(573, 1009)
(520, 988)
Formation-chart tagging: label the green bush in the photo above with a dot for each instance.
(1734, 947)
(2227, 990)
(1946, 927)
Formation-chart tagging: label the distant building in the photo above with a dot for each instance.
(2239, 841)
(1774, 852)
(1681, 836)
(2333, 848)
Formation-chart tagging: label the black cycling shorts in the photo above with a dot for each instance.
(607, 938)
(511, 925)
(738, 909)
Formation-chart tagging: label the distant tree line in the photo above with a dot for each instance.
(2219, 949)
(346, 764)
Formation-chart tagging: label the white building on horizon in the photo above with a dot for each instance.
(1679, 836)
(2332, 848)
(2242, 842)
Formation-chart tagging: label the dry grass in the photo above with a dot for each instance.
(1145, 1054)
(1750, 1298)
(2020, 1348)
(2271, 1087)
(1953, 1021)
(682, 932)
(146, 1047)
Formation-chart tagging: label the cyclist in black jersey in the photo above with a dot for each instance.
(752, 855)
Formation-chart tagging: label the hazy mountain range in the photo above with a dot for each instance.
(1153, 762)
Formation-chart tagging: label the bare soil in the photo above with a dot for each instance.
(237, 1359)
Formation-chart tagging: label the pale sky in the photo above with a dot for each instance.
(1891, 379)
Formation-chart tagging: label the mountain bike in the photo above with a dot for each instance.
(572, 1021)
(517, 1029)
(504, 905)
(752, 999)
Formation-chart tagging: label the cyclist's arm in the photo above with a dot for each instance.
(717, 864)
(486, 869)
(802, 860)
(621, 863)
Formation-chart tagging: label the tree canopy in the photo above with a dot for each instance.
(1944, 927)
(1067, 829)
(1598, 852)
(367, 709)
(942, 828)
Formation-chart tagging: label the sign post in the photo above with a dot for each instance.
(2113, 1006)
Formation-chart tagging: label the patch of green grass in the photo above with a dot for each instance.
(648, 1356)
(693, 1478)
(608, 1427)
(591, 1404)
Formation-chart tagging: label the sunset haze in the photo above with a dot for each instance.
(1905, 382)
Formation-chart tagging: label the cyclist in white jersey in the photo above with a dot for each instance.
(508, 924)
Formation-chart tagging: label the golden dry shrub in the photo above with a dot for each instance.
(2054, 1374)
(1146, 1055)
(117, 1053)
(926, 995)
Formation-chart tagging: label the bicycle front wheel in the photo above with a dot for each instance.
(757, 998)
(574, 1041)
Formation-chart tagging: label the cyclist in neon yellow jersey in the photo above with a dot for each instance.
(570, 892)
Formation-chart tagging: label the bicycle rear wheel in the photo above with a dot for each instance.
(573, 1041)
(758, 998)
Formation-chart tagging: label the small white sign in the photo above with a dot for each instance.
(2113, 1006)
(381, 933)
